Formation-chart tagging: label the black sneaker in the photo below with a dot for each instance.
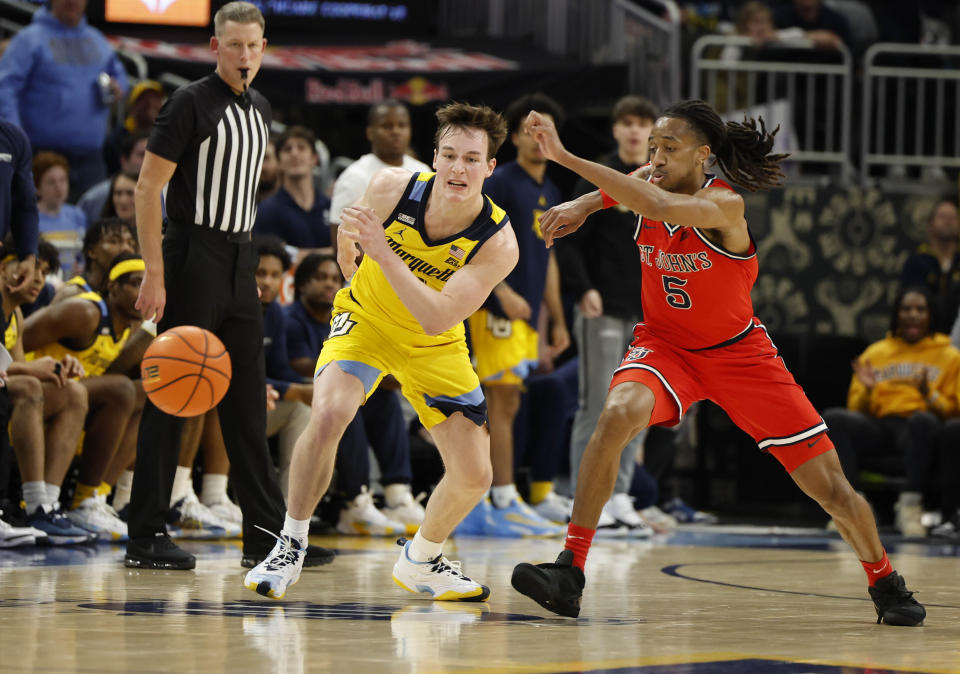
(157, 552)
(895, 603)
(556, 587)
(316, 556)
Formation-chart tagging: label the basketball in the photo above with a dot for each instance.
(186, 371)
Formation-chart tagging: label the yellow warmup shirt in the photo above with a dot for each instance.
(897, 364)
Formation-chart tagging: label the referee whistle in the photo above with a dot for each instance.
(243, 76)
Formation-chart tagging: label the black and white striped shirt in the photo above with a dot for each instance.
(217, 139)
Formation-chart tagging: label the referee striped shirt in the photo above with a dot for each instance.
(217, 139)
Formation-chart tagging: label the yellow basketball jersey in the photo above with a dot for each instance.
(12, 332)
(81, 282)
(97, 357)
(433, 262)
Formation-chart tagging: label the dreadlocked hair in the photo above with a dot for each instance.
(742, 150)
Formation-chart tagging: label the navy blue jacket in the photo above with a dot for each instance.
(279, 373)
(18, 196)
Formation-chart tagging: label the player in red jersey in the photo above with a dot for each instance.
(699, 339)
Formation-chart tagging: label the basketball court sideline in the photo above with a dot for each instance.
(718, 599)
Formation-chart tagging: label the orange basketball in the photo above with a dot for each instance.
(186, 371)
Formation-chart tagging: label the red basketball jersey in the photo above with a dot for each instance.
(695, 293)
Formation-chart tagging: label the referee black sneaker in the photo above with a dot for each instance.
(316, 556)
(157, 552)
(895, 603)
(556, 587)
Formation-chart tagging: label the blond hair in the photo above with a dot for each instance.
(238, 12)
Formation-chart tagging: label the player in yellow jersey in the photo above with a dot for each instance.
(94, 329)
(434, 248)
(48, 405)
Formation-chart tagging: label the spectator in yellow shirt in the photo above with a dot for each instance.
(903, 389)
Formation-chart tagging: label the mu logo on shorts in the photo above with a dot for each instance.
(638, 352)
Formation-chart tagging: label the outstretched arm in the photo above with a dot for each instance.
(709, 208)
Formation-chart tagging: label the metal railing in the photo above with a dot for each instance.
(911, 107)
(592, 31)
(813, 99)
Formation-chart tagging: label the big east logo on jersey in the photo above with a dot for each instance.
(638, 352)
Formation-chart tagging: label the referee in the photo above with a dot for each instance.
(208, 145)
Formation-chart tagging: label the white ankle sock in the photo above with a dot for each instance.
(181, 484)
(214, 489)
(422, 550)
(34, 495)
(53, 493)
(296, 529)
(503, 495)
(121, 493)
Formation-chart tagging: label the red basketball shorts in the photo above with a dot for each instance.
(746, 378)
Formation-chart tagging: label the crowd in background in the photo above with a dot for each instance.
(567, 315)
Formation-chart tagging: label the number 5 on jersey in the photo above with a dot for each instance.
(676, 295)
(341, 324)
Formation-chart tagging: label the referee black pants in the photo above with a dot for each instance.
(210, 282)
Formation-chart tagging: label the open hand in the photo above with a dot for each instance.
(865, 372)
(362, 226)
(562, 219)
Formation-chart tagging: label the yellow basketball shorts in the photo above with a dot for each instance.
(437, 378)
(505, 351)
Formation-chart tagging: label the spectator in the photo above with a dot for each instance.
(18, 216)
(269, 173)
(292, 412)
(825, 27)
(49, 408)
(936, 264)
(755, 21)
(297, 213)
(379, 423)
(131, 159)
(57, 80)
(120, 204)
(94, 329)
(902, 387)
(600, 268)
(18, 203)
(388, 131)
(503, 333)
(104, 240)
(63, 224)
(143, 105)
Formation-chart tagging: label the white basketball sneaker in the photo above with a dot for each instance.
(439, 578)
(93, 514)
(554, 507)
(361, 516)
(227, 510)
(279, 570)
(620, 507)
(406, 510)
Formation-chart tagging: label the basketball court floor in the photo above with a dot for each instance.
(698, 601)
